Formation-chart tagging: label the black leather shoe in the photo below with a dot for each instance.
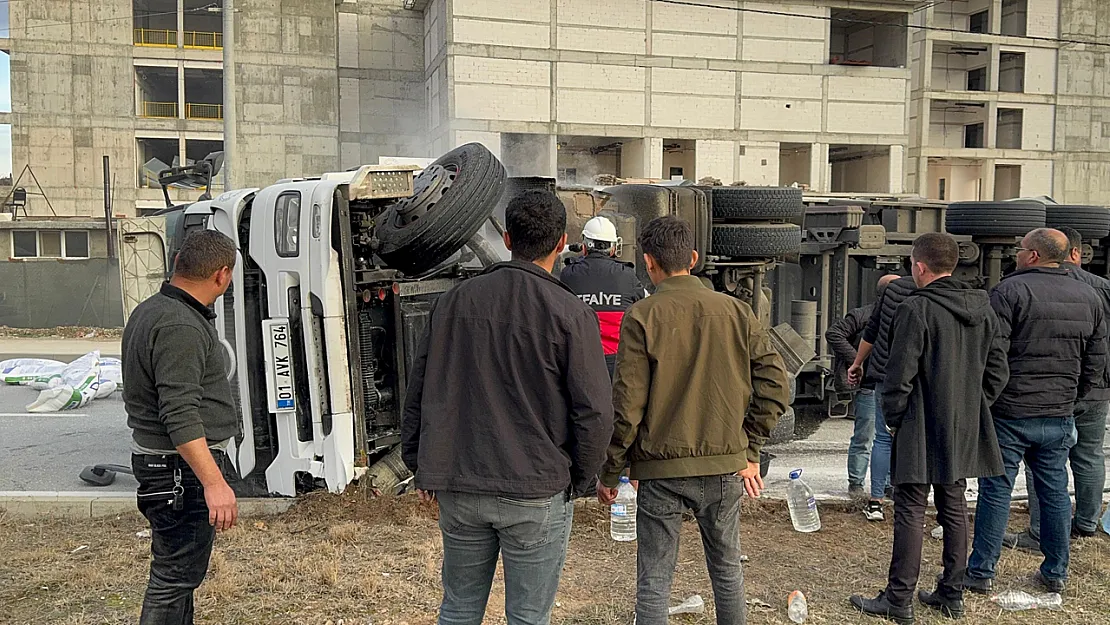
(977, 586)
(952, 608)
(1051, 585)
(881, 607)
(1077, 533)
(1023, 540)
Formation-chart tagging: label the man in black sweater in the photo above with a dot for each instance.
(945, 370)
(877, 336)
(508, 415)
(1055, 330)
(1087, 458)
(179, 407)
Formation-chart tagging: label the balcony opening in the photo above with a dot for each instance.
(867, 38)
(1009, 129)
(979, 22)
(795, 164)
(198, 149)
(955, 179)
(960, 67)
(679, 159)
(204, 94)
(155, 23)
(975, 135)
(204, 26)
(1007, 182)
(1011, 72)
(1015, 17)
(949, 123)
(156, 155)
(589, 160)
(157, 88)
(859, 168)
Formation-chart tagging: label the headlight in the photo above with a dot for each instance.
(287, 224)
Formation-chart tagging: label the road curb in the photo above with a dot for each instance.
(81, 505)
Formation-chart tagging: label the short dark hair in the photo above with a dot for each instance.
(202, 254)
(1050, 244)
(937, 251)
(670, 241)
(535, 221)
(1075, 239)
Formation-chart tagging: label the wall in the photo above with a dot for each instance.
(1007, 182)
(794, 165)
(50, 293)
(962, 181)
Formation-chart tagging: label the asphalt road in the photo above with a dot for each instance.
(46, 452)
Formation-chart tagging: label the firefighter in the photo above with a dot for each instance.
(604, 283)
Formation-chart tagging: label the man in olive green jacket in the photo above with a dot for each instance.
(697, 389)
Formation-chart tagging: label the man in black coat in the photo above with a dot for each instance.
(947, 365)
(1055, 333)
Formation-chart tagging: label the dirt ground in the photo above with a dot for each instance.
(355, 560)
(62, 332)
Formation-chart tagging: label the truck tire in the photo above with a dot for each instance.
(756, 203)
(1093, 222)
(755, 240)
(452, 198)
(994, 219)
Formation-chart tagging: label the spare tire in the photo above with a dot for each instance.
(994, 219)
(1093, 222)
(756, 203)
(755, 240)
(451, 199)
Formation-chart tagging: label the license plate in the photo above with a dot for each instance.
(280, 367)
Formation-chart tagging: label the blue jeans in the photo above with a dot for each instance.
(859, 451)
(1044, 444)
(715, 501)
(1088, 467)
(530, 534)
(880, 452)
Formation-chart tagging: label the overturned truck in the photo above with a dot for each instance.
(338, 274)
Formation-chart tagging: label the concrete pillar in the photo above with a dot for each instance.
(820, 171)
(897, 168)
(642, 158)
(993, 66)
(181, 90)
(180, 23)
(716, 159)
(990, 140)
(986, 180)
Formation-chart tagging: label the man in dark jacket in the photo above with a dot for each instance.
(699, 387)
(607, 285)
(844, 338)
(1087, 458)
(182, 416)
(1056, 335)
(875, 349)
(947, 367)
(507, 416)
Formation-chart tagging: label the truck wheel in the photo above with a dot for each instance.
(451, 199)
(755, 240)
(756, 203)
(1093, 222)
(994, 219)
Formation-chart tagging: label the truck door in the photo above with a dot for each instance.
(142, 259)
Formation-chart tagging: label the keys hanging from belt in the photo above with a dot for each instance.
(178, 491)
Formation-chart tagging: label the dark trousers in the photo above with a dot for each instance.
(611, 364)
(715, 501)
(181, 540)
(910, 501)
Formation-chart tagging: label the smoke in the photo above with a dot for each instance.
(526, 155)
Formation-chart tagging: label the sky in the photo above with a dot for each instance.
(5, 98)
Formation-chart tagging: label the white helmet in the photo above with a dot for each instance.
(600, 229)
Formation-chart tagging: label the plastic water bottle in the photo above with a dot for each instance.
(1106, 521)
(1016, 600)
(622, 513)
(797, 609)
(803, 506)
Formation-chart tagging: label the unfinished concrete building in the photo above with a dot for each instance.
(1002, 109)
(813, 92)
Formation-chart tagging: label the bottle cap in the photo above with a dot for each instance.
(625, 480)
(795, 474)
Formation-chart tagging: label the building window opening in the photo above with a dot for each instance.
(204, 94)
(1011, 72)
(979, 22)
(50, 244)
(795, 164)
(1010, 129)
(585, 160)
(875, 38)
(974, 135)
(156, 156)
(1015, 17)
(977, 79)
(1007, 182)
(204, 27)
(157, 87)
(960, 67)
(859, 168)
(199, 149)
(949, 120)
(155, 23)
(679, 159)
